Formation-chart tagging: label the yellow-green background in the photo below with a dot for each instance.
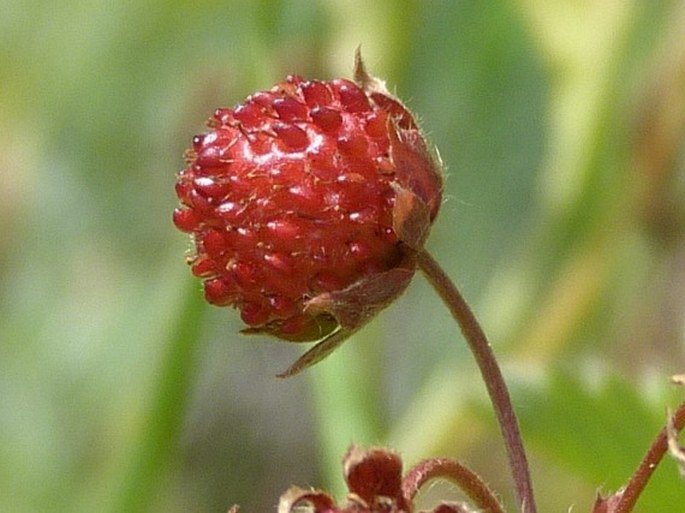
(561, 126)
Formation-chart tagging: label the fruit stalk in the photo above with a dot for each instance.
(492, 375)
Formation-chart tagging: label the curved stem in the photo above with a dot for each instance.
(462, 476)
(644, 471)
(492, 375)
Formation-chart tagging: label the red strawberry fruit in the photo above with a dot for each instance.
(307, 204)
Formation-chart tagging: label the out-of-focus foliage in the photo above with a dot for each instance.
(562, 127)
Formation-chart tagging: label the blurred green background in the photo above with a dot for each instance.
(561, 124)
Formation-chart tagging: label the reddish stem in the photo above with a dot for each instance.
(644, 471)
(492, 375)
(465, 478)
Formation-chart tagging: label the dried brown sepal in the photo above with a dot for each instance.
(318, 352)
(352, 308)
(357, 304)
(375, 476)
(377, 90)
(411, 218)
(418, 169)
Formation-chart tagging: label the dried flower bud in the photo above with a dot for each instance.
(376, 485)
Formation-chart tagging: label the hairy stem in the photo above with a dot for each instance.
(462, 476)
(644, 471)
(492, 375)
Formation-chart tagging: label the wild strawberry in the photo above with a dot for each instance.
(307, 204)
